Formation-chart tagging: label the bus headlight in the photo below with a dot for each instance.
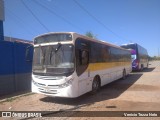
(67, 83)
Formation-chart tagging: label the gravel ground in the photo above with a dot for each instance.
(139, 92)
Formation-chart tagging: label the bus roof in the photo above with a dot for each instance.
(99, 41)
(129, 44)
(82, 36)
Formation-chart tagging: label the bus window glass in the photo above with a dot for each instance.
(133, 55)
(53, 38)
(84, 57)
(54, 59)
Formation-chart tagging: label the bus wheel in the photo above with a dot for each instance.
(124, 74)
(142, 67)
(147, 65)
(95, 85)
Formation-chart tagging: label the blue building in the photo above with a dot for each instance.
(15, 70)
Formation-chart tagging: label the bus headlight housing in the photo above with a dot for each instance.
(67, 83)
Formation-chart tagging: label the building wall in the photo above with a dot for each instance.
(15, 71)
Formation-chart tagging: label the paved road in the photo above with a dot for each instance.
(139, 92)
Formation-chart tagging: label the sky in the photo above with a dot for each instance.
(115, 21)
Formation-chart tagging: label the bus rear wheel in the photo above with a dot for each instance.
(95, 85)
(142, 67)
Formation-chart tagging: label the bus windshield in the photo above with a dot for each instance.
(133, 54)
(53, 59)
(129, 46)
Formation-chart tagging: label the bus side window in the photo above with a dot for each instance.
(84, 57)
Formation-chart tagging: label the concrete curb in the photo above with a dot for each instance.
(15, 97)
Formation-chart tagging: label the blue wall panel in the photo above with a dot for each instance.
(15, 71)
(12, 58)
(21, 65)
(6, 58)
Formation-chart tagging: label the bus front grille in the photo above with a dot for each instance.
(48, 77)
(41, 85)
(47, 91)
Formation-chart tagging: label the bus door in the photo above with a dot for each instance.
(82, 62)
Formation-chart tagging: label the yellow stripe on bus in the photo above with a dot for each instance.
(102, 66)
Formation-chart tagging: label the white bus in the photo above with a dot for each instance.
(66, 64)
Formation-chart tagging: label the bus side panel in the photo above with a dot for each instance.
(84, 83)
(109, 72)
(106, 61)
(143, 57)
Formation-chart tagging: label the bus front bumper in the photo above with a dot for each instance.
(68, 91)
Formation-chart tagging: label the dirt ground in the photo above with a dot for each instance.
(140, 91)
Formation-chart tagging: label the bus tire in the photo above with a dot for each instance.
(124, 74)
(142, 67)
(147, 65)
(95, 85)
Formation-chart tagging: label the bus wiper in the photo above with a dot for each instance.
(55, 50)
(59, 46)
(43, 55)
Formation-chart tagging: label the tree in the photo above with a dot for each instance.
(154, 58)
(91, 35)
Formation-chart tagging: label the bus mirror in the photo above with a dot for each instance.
(29, 53)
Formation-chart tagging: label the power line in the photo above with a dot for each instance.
(35, 16)
(54, 13)
(91, 15)
(17, 23)
(19, 18)
(23, 28)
